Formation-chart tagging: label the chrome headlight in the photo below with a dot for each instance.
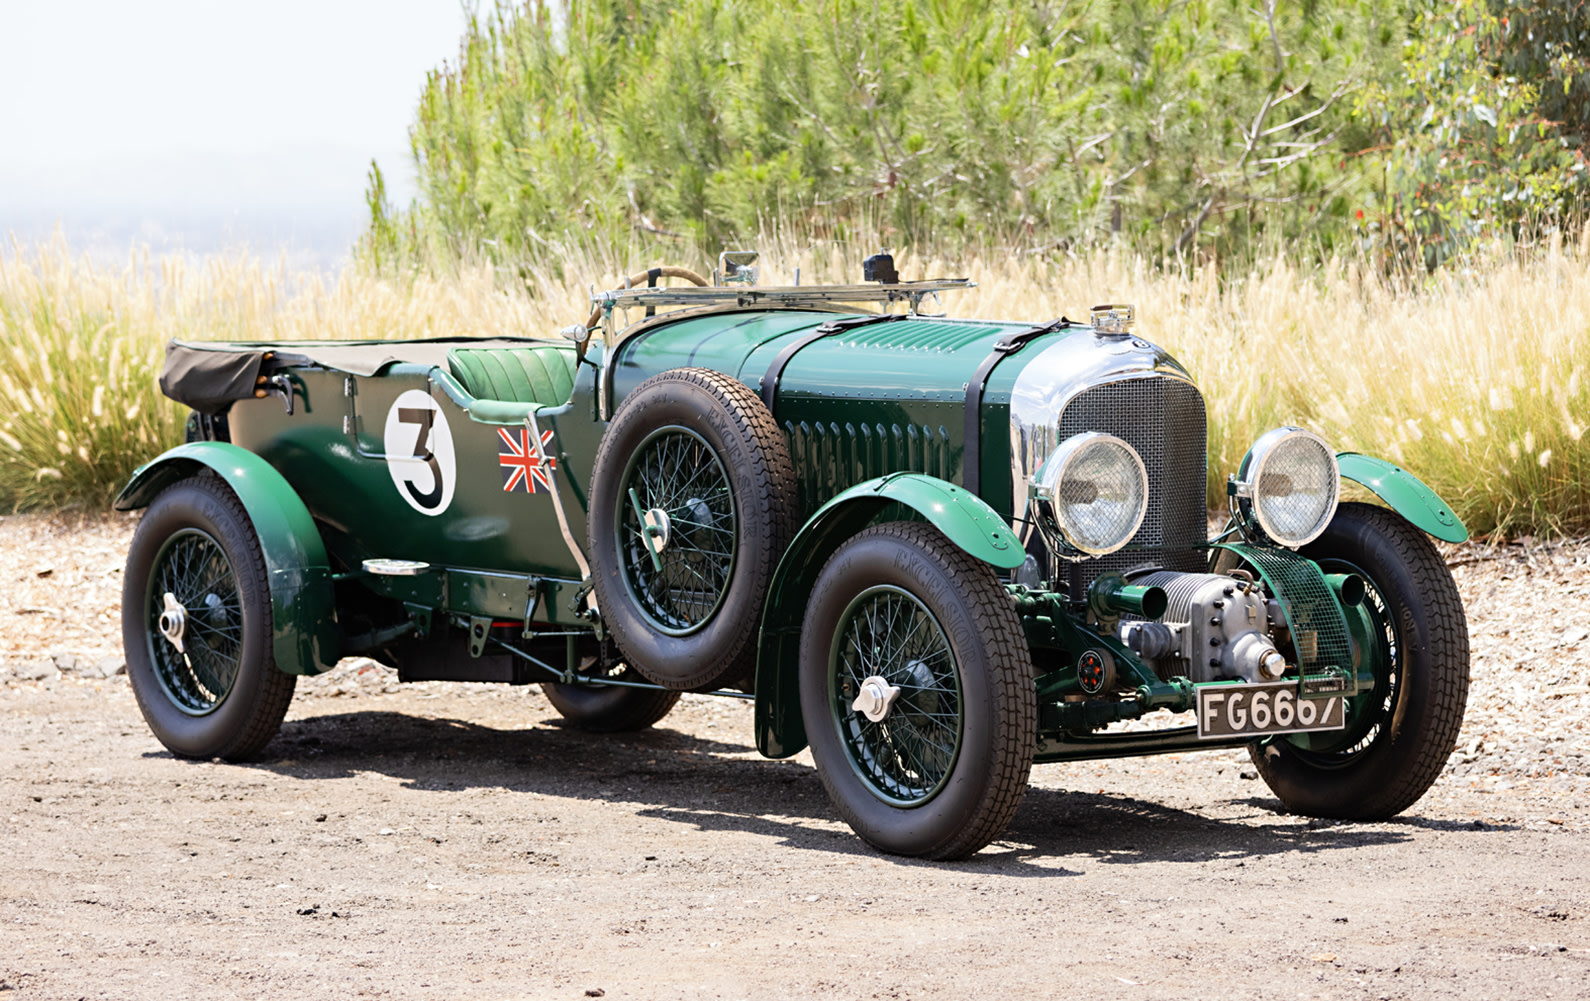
(1287, 485)
(1089, 497)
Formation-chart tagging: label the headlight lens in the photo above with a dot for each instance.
(1289, 484)
(1090, 495)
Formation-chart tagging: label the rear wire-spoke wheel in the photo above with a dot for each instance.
(679, 498)
(1401, 730)
(917, 693)
(693, 502)
(194, 591)
(196, 625)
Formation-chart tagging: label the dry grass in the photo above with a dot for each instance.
(1476, 380)
(81, 346)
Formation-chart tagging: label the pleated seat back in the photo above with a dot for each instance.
(542, 375)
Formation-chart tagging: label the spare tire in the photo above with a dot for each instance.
(693, 502)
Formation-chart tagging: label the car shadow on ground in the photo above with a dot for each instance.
(716, 785)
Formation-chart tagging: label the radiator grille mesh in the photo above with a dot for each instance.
(1164, 420)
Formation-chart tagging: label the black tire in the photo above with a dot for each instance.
(1400, 734)
(700, 447)
(610, 708)
(224, 697)
(964, 658)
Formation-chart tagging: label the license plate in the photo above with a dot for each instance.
(1264, 709)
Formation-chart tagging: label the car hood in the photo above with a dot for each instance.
(923, 358)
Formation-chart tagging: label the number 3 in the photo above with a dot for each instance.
(423, 418)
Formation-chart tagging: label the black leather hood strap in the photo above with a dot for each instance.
(652, 274)
(972, 454)
(775, 371)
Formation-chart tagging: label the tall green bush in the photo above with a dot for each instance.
(1482, 129)
(1176, 125)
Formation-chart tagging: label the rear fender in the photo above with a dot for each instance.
(963, 518)
(304, 633)
(1405, 494)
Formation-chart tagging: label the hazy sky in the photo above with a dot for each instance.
(205, 124)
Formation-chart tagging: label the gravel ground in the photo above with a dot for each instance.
(456, 841)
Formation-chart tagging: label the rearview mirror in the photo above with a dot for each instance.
(737, 267)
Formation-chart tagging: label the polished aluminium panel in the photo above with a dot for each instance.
(1130, 388)
(1058, 374)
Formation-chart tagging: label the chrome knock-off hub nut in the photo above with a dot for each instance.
(876, 699)
(173, 621)
(657, 527)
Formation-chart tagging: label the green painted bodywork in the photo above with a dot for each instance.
(1405, 493)
(493, 553)
(303, 610)
(963, 518)
(336, 460)
(875, 421)
(859, 404)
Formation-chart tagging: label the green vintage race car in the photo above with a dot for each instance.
(934, 551)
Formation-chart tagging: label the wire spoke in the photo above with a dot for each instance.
(677, 472)
(193, 568)
(907, 756)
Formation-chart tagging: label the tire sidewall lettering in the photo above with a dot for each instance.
(924, 578)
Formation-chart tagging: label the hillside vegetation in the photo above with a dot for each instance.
(1406, 131)
(1361, 217)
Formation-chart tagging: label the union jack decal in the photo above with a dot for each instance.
(522, 466)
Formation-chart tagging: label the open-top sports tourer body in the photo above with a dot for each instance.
(933, 550)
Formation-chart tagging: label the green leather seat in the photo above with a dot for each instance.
(540, 375)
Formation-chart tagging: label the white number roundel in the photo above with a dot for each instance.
(419, 452)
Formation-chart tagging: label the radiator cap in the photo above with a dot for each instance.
(1113, 320)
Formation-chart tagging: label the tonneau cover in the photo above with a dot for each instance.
(209, 375)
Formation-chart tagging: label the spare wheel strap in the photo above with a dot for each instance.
(652, 275)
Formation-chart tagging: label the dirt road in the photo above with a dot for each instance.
(455, 841)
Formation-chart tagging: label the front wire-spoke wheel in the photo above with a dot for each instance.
(196, 625)
(917, 692)
(888, 634)
(1410, 629)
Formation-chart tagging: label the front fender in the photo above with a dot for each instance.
(963, 518)
(304, 635)
(1405, 494)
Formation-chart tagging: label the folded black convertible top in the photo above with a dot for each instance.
(209, 375)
